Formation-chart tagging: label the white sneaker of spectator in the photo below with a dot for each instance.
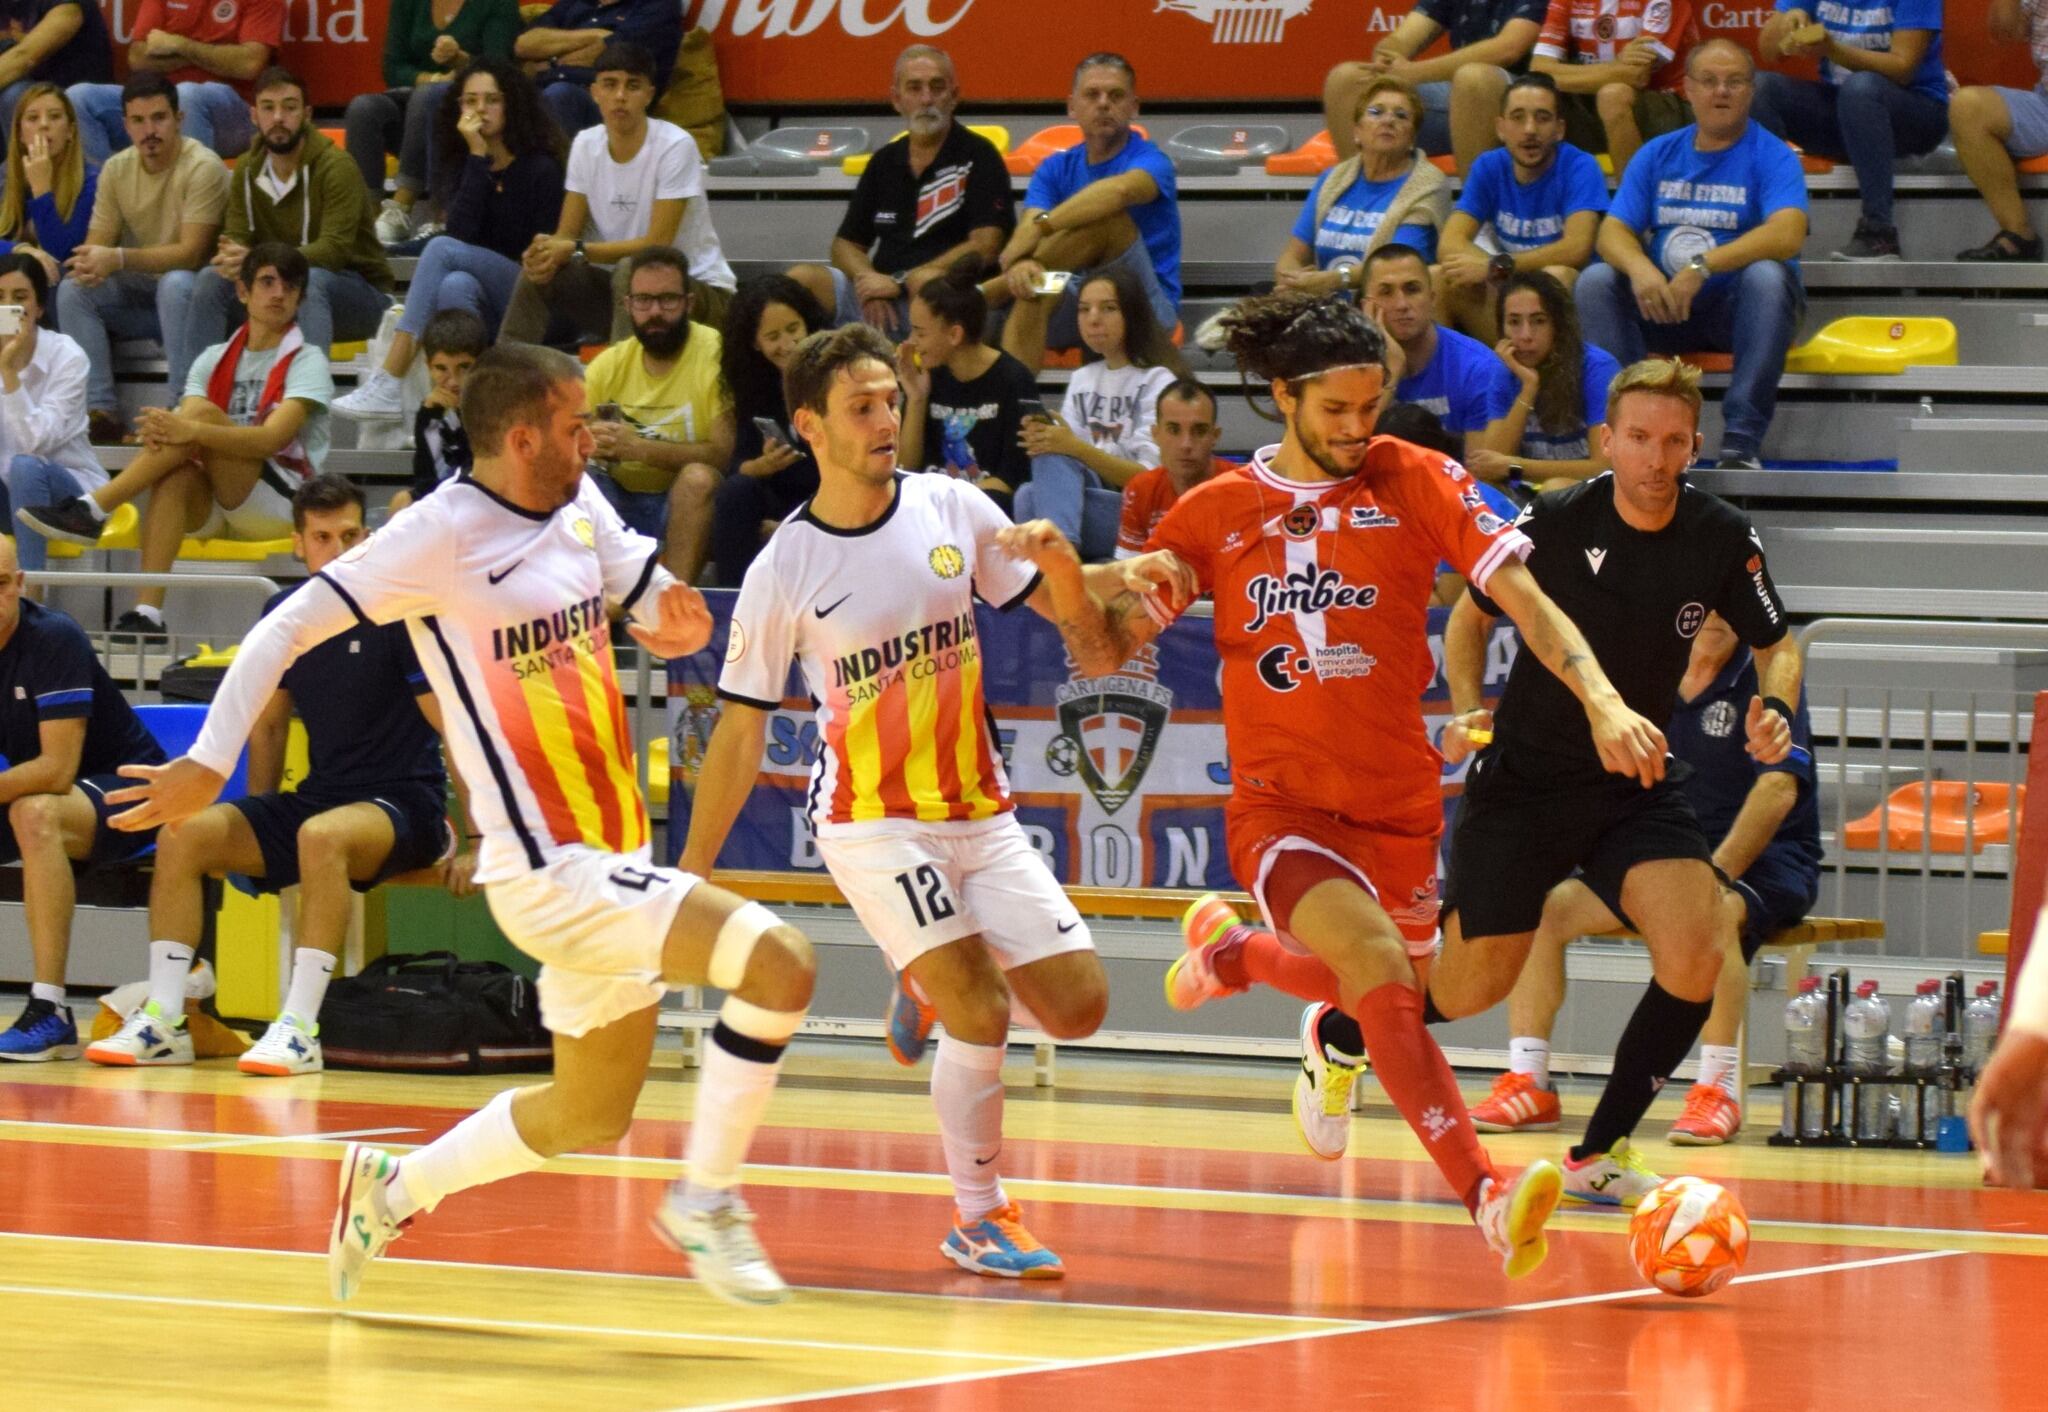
(394, 223)
(381, 399)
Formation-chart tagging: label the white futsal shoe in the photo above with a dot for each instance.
(1511, 1216)
(720, 1245)
(1322, 1090)
(287, 1048)
(362, 1219)
(145, 1038)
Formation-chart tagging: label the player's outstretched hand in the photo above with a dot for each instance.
(1038, 542)
(1464, 734)
(2009, 1115)
(1629, 744)
(168, 794)
(1770, 734)
(458, 874)
(1161, 575)
(682, 623)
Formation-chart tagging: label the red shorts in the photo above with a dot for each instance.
(1399, 870)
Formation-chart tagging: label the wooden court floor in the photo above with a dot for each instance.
(162, 1235)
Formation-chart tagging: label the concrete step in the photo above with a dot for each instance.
(1993, 445)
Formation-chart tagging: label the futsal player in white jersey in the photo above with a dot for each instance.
(505, 580)
(870, 589)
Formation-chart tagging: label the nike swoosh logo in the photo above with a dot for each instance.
(827, 612)
(500, 576)
(984, 1161)
(1066, 927)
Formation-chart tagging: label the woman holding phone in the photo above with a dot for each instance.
(44, 453)
(772, 470)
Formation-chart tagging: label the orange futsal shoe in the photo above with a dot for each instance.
(1710, 1118)
(1191, 979)
(1516, 1105)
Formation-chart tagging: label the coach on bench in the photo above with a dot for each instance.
(64, 729)
(373, 803)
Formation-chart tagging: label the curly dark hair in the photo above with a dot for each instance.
(529, 127)
(1559, 377)
(1292, 336)
(755, 385)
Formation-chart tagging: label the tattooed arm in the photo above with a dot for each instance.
(1628, 744)
(1099, 609)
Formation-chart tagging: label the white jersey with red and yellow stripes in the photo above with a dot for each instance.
(881, 622)
(509, 612)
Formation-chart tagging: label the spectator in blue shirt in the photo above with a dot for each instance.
(1488, 39)
(46, 202)
(566, 41)
(1882, 94)
(1541, 198)
(1456, 377)
(1706, 226)
(65, 731)
(1553, 426)
(1998, 128)
(1110, 200)
(1388, 191)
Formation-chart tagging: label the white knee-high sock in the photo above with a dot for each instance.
(484, 1147)
(741, 1065)
(967, 1090)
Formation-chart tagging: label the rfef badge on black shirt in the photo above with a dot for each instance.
(1639, 599)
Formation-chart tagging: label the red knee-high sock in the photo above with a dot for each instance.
(1254, 956)
(1415, 1075)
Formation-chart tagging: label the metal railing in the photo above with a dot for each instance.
(150, 654)
(1897, 701)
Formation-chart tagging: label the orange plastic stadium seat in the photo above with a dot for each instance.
(2035, 165)
(1710, 362)
(1313, 157)
(1941, 815)
(1046, 141)
(1446, 163)
(1071, 357)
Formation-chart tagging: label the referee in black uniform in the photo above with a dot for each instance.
(1637, 559)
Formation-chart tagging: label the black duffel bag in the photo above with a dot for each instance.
(433, 1013)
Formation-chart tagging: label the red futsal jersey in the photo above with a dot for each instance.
(1596, 31)
(1322, 600)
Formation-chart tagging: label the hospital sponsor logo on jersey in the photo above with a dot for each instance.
(922, 652)
(1110, 728)
(1489, 523)
(553, 640)
(1718, 720)
(1285, 667)
(1308, 590)
(941, 196)
(1239, 21)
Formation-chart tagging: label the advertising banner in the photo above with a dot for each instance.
(1119, 780)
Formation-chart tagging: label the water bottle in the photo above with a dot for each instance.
(1806, 1053)
(1926, 1026)
(1868, 1024)
(1980, 1025)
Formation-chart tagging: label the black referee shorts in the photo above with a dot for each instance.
(419, 824)
(1519, 836)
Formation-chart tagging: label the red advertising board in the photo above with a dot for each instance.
(832, 51)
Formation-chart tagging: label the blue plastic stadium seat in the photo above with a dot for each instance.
(175, 724)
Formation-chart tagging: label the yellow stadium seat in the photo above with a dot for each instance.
(347, 352)
(233, 551)
(122, 532)
(1872, 343)
(994, 132)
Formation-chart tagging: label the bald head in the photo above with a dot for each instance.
(10, 562)
(1723, 51)
(11, 583)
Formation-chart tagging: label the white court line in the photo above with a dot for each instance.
(1247, 1316)
(674, 1164)
(254, 1141)
(1420, 1320)
(518, 1325)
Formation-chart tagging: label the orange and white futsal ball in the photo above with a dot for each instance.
(1689, 1237)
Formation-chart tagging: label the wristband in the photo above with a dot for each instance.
(1772, 703)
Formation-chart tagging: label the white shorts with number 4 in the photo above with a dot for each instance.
(597, 922)
(918, 890)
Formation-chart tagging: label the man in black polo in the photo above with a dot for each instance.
(935, 195)
(65, 729)
(373, 803)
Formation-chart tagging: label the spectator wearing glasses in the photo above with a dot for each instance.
(662, 416)
(1488, 40)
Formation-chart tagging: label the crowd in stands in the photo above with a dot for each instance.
(200, 206)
